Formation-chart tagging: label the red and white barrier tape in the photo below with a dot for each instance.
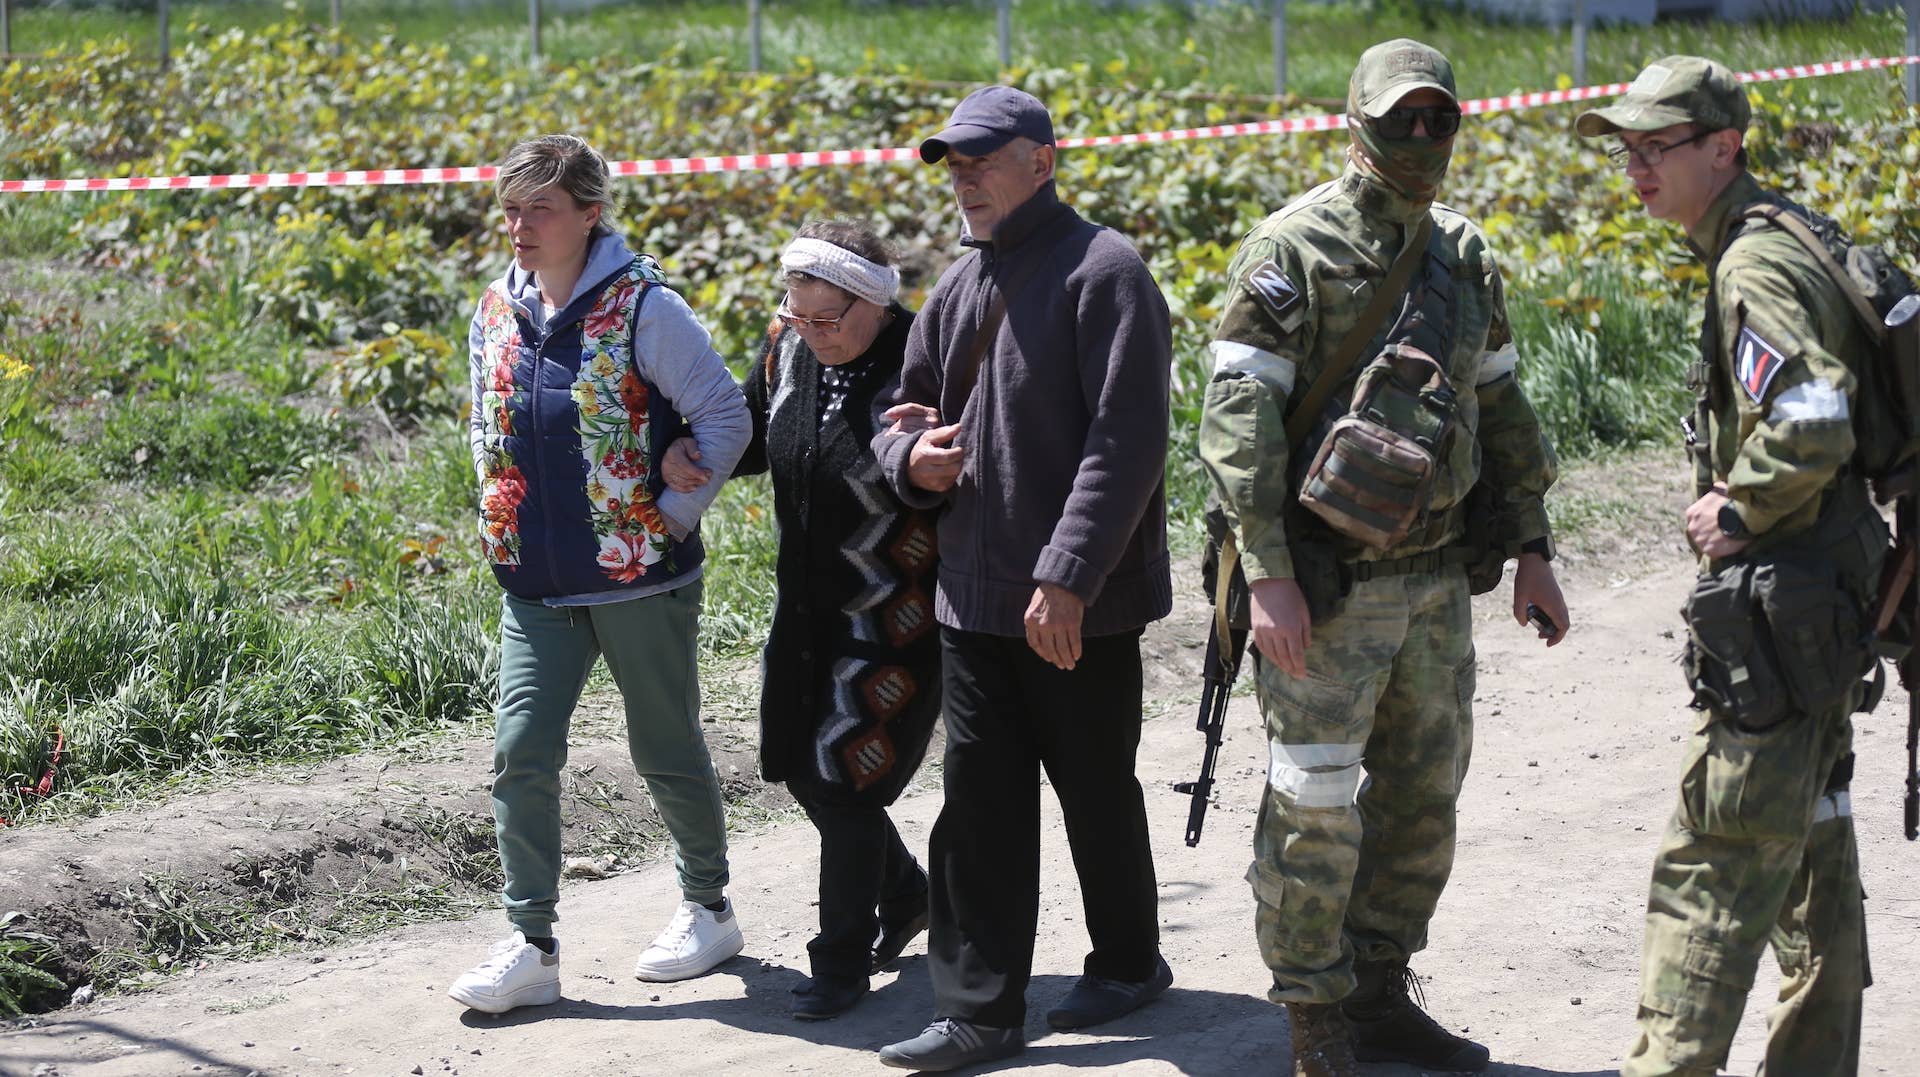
(750, 162)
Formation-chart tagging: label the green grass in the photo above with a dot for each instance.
(1604, 359)
(1213, 47)
(161, 674)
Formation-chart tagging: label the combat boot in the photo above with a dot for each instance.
(1320, 1047)
(1389, 1025)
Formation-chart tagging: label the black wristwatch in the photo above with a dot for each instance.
(1731, 525)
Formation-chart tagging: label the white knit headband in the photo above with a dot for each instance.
(877, 284)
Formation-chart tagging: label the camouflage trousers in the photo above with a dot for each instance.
(1345, 868)
(1760, 851)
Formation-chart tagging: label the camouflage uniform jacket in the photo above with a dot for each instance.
(1298, 283)
(1778, 346)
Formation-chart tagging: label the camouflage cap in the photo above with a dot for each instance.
(1393, 69)
(1673, 90)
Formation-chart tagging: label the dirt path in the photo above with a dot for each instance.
(1535, 949)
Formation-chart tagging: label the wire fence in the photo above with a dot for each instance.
(1579, 18)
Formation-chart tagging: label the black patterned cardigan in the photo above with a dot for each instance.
(850, 675)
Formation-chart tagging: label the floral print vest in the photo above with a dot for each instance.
(568, 483)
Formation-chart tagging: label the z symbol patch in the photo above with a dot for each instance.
(1755, 362)
(1274, 289)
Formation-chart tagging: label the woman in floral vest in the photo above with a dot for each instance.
(851, 670)
(583, 366)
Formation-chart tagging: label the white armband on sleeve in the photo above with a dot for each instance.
(1233, 357)
(1810, 402)
(1496, 365)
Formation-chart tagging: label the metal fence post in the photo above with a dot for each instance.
(334, 11)
(1913, 49)
(533, 33)
(165, 45)
(753, 36)
(1006, 33)
(1579, 42)
(6, 29)
(1279, 47)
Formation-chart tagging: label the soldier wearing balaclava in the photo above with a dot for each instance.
(1364, 652)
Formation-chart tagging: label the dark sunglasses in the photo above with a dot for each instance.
(1441, 121)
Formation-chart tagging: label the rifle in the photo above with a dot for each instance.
(1226, 645)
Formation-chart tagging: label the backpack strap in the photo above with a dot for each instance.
(1391, 290)
(1797, 228)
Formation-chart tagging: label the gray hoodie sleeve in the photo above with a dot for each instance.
(674, 353)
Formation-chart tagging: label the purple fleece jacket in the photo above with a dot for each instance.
(1066, 434)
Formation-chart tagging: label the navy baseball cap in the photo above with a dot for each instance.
(988, 119)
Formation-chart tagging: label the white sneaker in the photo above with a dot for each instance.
(515, 973)
(695, 940)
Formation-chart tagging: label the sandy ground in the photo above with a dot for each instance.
(1535, 950)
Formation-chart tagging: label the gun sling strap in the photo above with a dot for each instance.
(1391, 290)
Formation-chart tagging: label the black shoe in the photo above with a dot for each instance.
(825, 997)
(948, 1044)
(1095, 1000)
(894, 938)
(1389, 1025)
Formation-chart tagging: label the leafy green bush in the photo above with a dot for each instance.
(407, 373)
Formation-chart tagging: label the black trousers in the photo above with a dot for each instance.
(867, 877)
(1008, 714)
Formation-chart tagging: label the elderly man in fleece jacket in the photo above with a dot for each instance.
(1033, 411)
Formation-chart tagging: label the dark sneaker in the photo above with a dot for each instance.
(825, 997)
(948, 1044)
(894, 938)
(1320, 1045)
(1389, 1025)
(1095, 1000)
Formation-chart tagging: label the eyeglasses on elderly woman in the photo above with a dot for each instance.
(818, 325)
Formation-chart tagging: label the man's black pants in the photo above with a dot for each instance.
(1008, 714)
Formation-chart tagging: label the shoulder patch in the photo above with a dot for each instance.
(1755, 362)
(1274, 289)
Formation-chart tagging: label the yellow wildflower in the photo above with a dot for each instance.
(11, 368)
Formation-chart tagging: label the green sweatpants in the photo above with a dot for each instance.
(546, 653)
(1760, 851)
(1346, 870)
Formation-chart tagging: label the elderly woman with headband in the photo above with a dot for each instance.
(851, 670)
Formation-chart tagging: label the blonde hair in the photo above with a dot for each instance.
(563, 161)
